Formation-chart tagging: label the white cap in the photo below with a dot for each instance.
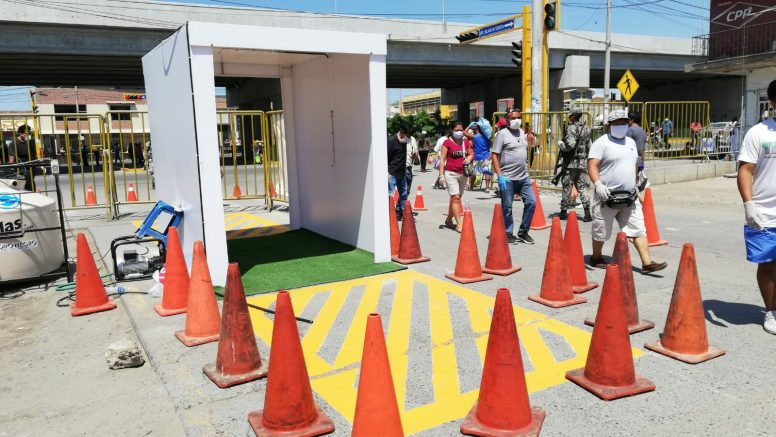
(616, 114)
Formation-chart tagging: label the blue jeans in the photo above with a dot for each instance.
(398, 183)
(522, 186)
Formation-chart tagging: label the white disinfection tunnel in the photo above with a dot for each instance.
(25, 254)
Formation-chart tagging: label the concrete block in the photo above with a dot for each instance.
(657, 176)
(723, 168)
(681, 173)
(123, 354)
(706, 170)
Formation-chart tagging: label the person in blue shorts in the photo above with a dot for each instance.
(757, 185)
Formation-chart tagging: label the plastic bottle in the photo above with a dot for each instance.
(119, 289)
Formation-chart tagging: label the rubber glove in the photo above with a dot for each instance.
(753, 217)
(601, 191)
(502, 183)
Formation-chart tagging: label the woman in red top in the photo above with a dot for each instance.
(456, 152)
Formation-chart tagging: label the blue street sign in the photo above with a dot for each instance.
(503, 26)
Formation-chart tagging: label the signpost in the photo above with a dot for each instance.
(508, 24)
(627, 85)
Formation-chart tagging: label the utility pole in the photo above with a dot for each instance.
(525, 88)
(537, 29)
(444, 19)
(608, 61)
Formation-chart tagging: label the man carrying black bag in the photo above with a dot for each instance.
(612, 165)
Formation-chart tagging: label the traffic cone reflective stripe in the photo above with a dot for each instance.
(175, 297)
(131, 195)
(538, 221)
(90, 295)
(394, 225)
(621, 257)
(572, 244)
(420, 205)
(238, 358)
(90, 199)
(467, 264)
(650, 222)
(396, 195)
(503, 407)
(377, 412)
(498, 260)
(289, 409)
(609, 371)
(409, 246)
(684, 336)
(556, 289)
(203, 323)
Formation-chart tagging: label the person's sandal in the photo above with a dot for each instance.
(653, 267)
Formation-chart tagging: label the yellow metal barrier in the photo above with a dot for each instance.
(670, 135)
(128, 142)
(275, 169)
(240, 143)
(547, 129)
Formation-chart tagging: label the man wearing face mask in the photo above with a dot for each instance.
(613, 165)
(397, 165)
(510, 165)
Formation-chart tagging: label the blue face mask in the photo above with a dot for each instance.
(618, 131)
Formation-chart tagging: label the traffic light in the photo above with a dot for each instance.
(467, 36)
(517, 53)
(35, 109)
(550, 15)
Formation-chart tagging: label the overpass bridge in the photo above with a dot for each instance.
(100, 42)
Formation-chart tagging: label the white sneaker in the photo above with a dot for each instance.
(769, 325)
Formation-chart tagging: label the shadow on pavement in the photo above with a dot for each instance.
(733, 313)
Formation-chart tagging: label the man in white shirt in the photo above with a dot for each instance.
(757, 185)
(613, 167)
(412, 153)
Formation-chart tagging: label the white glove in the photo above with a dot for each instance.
(753, 217)
(601, 191)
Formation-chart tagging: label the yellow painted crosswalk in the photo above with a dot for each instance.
(334, 374)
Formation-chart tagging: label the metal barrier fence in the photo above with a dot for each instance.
(240, 145)
(275, 171)
(128, 152)
(669, 126)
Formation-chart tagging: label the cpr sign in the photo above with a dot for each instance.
(740, 13)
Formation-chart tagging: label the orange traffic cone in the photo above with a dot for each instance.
(409, 246)
(556, 289)
(503, 408)
(377, 412)
(572, 244)
(236, 192)
(420, 205)
(396, 196)
(609, 372)
(289, 408)
(90, 296)
(272, 190)
(467, 264)
(498, 260)
(394, 225)
(90, 199)
(621, 257)
(238, 359)
(538, 221)
(653, 234)
(175, 296)
(203, 323)
(131, 195)
(684, 336)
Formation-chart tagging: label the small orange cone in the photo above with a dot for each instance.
(684, 336)
(572, 244)
(498, 260)
(503, 408)
(394, 224)
(238, 359)
(131, 195)
(467, 264)
(538, 221)
(272, 191)
(556, 289)
(236, 192)
(621, 257)
(289, 409)
(90, 199)
(653, 234)
(409, 246)
(203, 323)
(377, 412)
(90, 296)
(175, 296)
(420, 205)
(609, 372)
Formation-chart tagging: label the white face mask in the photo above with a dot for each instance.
(458, 135)
(618, 131)
(403, 140)
(515, 124)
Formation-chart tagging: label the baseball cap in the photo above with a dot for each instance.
(617, 114)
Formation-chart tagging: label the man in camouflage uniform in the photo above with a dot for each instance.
(576, 144)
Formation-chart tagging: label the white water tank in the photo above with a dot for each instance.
(27, 254)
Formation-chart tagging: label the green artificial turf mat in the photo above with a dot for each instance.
(298, 259)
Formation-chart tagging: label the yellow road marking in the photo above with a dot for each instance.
(336, 383)
(244, 225)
